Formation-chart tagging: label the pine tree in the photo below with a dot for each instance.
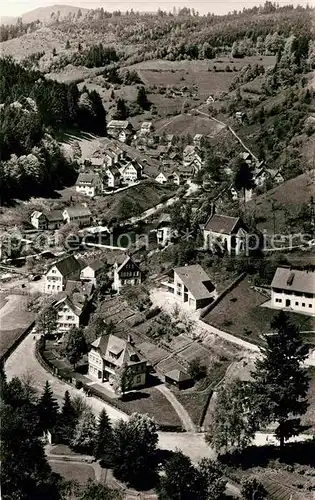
(243, 178)
(47, 409)
(67, 420)
(104, 437)
(142, 99)
(280, 381)
(121, 110)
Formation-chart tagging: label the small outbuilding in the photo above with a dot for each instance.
(179, 379)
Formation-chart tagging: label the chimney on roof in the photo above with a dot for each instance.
(130, 340)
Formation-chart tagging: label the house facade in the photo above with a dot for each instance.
(225, 234)
(55, 219)
(91, 272)
(161, 178)
(192, 285)
(127, 273)
(120, 129)
(70, 311)
(164, 231)
(57, 276)
(78, 215)
(39, 220)
(130, 173)
(293, 289)
(109, 353)
(113, 177)
(89, 184)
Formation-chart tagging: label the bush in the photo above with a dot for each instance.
(196, 369)
(152, 312)
(78, 384)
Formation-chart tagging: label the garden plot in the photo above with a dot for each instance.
(152, 352)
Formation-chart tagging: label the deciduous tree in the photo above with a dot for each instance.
(75, 346)
(233, 426)
(134, 447)
(46, 321)
(85, 432)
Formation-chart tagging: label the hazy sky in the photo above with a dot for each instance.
(18, 7)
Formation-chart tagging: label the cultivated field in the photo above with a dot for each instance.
(199, 73)
(15, 318)
(191, 124)
(288, 199)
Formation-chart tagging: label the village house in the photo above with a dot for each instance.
(89, 184)
(79, 215)
(161, 178)
(91, 272)
(192, 285)
(113, 155)
(71, 311)
(95, 162)
(39, 220)
(293, 289)
(113, 177)
(49, 220)
(54, 219)
(164, 231)
(120, 129)
(178, 378)
(224, 233)
(109, 354)
(265, 176)
(60, 272)
(191, 157)
(130, 173)
(145, 129)
(197, 140)
(126, 273)
(175, 178)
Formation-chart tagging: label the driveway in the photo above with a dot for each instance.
(178, 407)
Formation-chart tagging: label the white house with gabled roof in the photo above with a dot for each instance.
(294, 289)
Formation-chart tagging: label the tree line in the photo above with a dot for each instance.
(129, 448)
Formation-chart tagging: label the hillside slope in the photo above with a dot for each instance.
(46, 14)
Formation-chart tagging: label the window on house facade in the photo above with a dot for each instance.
(296, 303)
(279, 300)
(138, 379)
(303, 304)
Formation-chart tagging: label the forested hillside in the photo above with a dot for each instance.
(31, 107)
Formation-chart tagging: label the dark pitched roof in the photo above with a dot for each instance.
(68, 265)
(125, 261)
(294, 279)
(96, 265)
(196, 280)
(85, 288)
(177, 375)
(125, 352)
(223, 224)
(119, 124)
(78, 211)
(54, 215)
(86, 178)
